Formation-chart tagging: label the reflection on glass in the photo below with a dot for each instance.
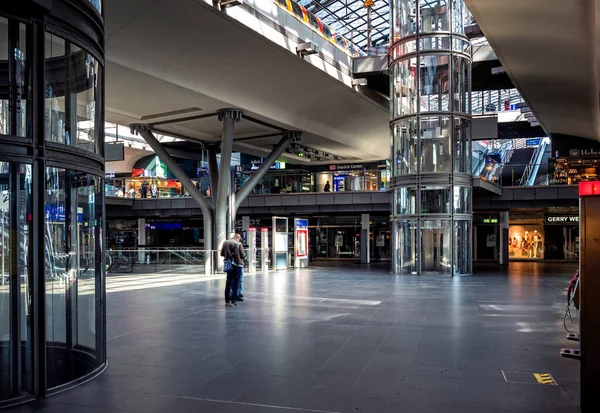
(462, 247)
(406, 238)
(405, 143)
(6, 340)
(435, 200)
(434, 83)
(433, 16)
(21, 79)
(434, 43)
(406, 201)
(405, 87)
(72, 95)
(462, 149)
(460, 16)
(462, 73)
(86, 98)
(54, 113)
(436, 246)
(436, 154)
(4, 92)
(404, 19)
(462, 200)
(73, 212)
(16, 70)
(15, 192)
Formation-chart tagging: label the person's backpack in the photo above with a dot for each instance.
(228, 262)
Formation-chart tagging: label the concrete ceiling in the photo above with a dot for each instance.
(549, 48)
(168, 59)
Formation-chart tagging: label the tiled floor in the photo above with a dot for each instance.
(335, 339)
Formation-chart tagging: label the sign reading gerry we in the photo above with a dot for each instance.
(561, 219)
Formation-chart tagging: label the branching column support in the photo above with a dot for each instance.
(285, 141)
(187, 183)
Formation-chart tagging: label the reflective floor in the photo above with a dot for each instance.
(334, 339)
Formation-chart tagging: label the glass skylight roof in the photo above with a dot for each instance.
(349, 18)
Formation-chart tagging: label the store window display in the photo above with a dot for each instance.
(526, 242)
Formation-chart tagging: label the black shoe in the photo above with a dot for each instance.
(241, 295)
(239, 299)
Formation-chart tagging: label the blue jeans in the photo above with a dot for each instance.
(239, 280)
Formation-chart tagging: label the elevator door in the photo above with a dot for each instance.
(436, 251)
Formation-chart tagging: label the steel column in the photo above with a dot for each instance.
(229, 117)
(213, 172)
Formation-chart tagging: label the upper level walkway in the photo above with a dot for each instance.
(333, 340)
(485, 199)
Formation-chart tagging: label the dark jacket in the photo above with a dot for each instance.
(234, 251)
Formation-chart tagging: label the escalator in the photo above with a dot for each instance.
(536, 173)
(514, 169)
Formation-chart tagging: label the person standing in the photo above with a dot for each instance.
(240, 268)
(233, 250)
(327, 187)
(144, 189)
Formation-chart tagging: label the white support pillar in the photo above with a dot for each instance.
(503, 238)
(141, 239)
(365, 244)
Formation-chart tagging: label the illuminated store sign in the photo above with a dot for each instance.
(346, 167)
(583, 152)
(562, 219)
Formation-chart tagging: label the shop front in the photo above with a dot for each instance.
(562, 236)
(551, 235)
(526, 237)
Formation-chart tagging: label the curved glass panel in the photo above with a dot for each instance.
(406, 246)
(15, 281)
(73, 211)
(461, 45)
(434, 16)
(404, 85)
(406, 201)
(72, 95)
(434, 76)
(436, 200)
(405, 146)
(436, 147)
(404, 22)
(16, 69)
(434, 43)
(462, 247)
(460, 16)
(461, 81)
(4, 92)
(403, 49)
(462, 200)
(462, 148)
